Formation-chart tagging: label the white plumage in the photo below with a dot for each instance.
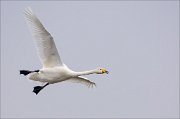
(44, 41)
(53, 70)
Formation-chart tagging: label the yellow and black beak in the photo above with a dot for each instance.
(105, 71)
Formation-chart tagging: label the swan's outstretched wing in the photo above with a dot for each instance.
(46, 48)
(82, 80)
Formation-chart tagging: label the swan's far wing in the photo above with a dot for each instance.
(82, 80)
(46, 48)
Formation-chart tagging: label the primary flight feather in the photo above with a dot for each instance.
(53, 70)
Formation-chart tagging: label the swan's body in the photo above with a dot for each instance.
(53, 70)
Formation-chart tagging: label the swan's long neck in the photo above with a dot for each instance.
(84, 73)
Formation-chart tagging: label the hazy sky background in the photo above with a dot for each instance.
(138, 42)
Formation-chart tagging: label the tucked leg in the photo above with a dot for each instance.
(26, 72)
(37, 89)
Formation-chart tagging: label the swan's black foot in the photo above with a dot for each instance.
(26, 72)
(37, 89)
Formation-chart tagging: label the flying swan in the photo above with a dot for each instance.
(53, 70)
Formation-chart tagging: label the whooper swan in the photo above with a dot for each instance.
(53, 70)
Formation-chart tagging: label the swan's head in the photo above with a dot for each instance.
(102, 71)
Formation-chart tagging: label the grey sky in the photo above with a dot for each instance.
(138, 42)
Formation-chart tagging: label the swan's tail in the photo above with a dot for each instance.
(26, 72)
